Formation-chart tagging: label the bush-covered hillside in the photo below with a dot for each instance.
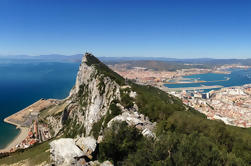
(184, 136)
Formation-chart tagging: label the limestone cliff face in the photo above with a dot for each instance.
(95, 102)
(92, 94)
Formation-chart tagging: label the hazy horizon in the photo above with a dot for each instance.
(128, 56)
(153, 57)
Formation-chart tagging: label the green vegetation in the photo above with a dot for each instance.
(232, 140)
(114, 110)
(180, 149)
(126, 100)
(83, 95)
(73, 128)
(184, 136)
(176, 145)
(32, 156)
(101, 85)
(119, 141)
(102, 123)
(158, 105)
(96, 128)
(103, 69)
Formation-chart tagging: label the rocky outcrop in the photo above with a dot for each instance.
(64, 152)
(78, 152)
(87, 145)
(94, 103)
(97, 163)
(92, 94)
(55, 124)
(90, 99)
(138, 120)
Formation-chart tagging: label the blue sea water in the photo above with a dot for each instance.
(21, 84)
(238, 77)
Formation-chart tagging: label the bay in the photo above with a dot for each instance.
(238, 77)
(21, 84)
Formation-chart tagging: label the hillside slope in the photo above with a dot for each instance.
(134, 125)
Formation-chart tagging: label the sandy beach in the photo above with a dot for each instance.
(18, 139)
(23, 119)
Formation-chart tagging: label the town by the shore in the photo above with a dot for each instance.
(29, 130)
(23, 132)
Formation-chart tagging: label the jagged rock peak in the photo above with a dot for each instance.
(93, 64)
(95, 88)
(90, 59)
(87, 69)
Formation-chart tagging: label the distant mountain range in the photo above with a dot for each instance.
(78, 57)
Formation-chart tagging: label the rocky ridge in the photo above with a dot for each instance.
(94, 103)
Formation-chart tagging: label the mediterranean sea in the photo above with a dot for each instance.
(238, 77)
(21, 84)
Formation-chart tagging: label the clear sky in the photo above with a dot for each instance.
(150, 28)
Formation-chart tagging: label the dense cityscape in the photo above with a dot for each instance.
(232, 105)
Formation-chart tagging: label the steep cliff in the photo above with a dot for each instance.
(95, 101)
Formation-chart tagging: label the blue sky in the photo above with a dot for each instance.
(150, 28)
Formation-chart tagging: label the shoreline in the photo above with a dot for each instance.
(166, 89)
(226, 72)
(202, 81)
(23, 133)
(183, 80)
(213, 72)
(19, 119)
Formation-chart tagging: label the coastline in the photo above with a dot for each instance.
(183, 80)
(19, 119)
(194, 82)
(23, 132)
(166, 89)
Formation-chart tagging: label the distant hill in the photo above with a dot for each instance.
(161, 65)
(156, 63)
